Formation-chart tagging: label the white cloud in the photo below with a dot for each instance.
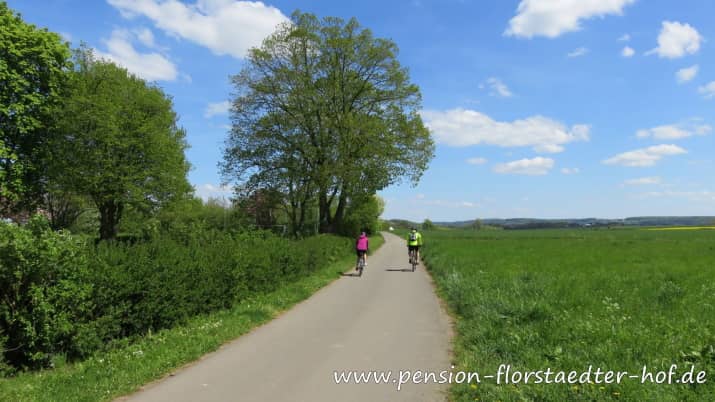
(476, 161)
(625, 38)
(532, 167)
(227, 27)
(645, 156)
(663, 132)
(570, 170)
(687, 74)
(150, 66)
(549, 149)
(643, 181)
(582, 51)
(146, 37)
(703, 129)
(552, 18)
(498, 88)
(462, 127)
(208, 190)
(216, 109)
(674, 131)
(676, 40)
(628, 52)
(708, 90)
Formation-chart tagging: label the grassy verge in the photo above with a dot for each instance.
(118, 372)
(569, 299)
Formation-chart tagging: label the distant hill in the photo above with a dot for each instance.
(532, 223)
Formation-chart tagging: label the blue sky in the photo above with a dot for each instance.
(539, 108)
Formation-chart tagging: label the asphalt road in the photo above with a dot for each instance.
(387, 320)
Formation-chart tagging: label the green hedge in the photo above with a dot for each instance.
(44, 293)
(65, 298)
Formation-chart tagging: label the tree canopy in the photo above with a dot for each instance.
(428, 225)
(119, 144)
(324, 113)
(32, 66)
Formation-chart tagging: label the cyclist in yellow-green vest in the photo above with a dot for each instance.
(414, 241)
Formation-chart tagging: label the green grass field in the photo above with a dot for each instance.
(566, 299)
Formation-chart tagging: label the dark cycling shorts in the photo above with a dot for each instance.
(410, 248)
(360, 253)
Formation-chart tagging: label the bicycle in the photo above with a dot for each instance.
(361, 264)
(413, 259)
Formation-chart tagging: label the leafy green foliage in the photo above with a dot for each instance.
(45, 293)
(32, 66)
(10, 177)
(120, 144)
(477, 224)
(183, 218)
(363, 214)
(324, 114)
(428, 225)
(107, 375)
(163, 282)
(64, 298)
(567, 299)
(64, 208)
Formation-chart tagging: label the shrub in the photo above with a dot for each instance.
(157, 284)
(45, 292)
(66, 297)
(162, 282)
(363, 214)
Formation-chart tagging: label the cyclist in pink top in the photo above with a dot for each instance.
(361, 247)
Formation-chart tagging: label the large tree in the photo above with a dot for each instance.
(324, 112)
(32, 66)
(120, 144)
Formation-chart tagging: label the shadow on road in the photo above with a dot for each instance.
(399, 270)
(355, 274)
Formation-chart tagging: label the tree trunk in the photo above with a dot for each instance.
(293, 219)
(301, 220)
(324, 213)
(339, 212)
(110, 212)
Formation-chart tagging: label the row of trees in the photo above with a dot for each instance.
(77, 129)
(323, 117)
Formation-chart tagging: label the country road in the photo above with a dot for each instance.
(387, 320)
